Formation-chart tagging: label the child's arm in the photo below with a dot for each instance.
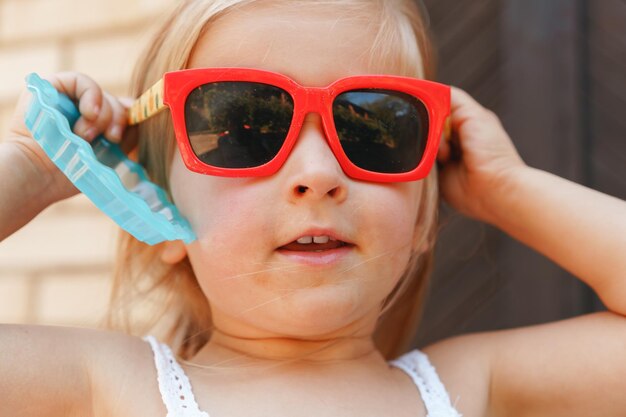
(570, 368)
(69, 372)
(54, 371)
(582, 230)
(42, 373)
(31, 182)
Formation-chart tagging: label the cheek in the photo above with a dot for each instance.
(234, 219)
(216, 220)
(392, 224)
(229, 245)
(387, 225)
(392, 216)
(225, 257)
(219, 209)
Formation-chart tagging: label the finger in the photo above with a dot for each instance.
(461, 99)
(126, 102)
(463, 108)
(456, 150)
(89, 129)
(81, 88)
(443, 155)
(129, 144)
(116, 127)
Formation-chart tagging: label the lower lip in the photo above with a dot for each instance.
(322, 258)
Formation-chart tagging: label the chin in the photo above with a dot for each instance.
(319, 311)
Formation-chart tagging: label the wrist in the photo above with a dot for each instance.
(507, 192)
(33, 185)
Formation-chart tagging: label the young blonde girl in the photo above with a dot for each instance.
(259, 331)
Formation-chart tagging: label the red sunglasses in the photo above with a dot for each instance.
(241, 122)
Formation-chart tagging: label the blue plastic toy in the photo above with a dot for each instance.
(117, 185)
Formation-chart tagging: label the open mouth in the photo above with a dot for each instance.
(314, 244)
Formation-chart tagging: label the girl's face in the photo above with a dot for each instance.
(259, 282)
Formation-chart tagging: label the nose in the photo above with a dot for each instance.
(311, 170)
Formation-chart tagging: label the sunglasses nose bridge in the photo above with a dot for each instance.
(318, 100)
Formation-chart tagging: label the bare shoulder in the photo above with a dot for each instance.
(123, 374)
(463, 365)
(522, 371)
(75, 372)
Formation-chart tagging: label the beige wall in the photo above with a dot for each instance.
(56, 269)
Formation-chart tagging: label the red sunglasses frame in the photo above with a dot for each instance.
(175, 87)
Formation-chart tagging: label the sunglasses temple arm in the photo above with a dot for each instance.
(447, 129)
(149, 104)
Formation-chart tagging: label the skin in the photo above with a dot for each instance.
(264, 304)
(269, 310)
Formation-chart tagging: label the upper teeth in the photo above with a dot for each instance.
(305, 240)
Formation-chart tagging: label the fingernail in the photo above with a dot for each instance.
(115, 132)
(96, 109)
(90, 133)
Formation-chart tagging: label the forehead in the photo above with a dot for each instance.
(312, 45)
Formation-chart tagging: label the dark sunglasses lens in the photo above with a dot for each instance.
(380, 130)
(237, 124)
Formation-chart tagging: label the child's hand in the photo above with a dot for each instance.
(479, 161)
(100, 113)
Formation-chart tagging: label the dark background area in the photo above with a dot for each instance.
(555, 73)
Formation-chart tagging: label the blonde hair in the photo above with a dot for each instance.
(181, 311)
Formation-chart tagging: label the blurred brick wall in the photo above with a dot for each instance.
(56, 270)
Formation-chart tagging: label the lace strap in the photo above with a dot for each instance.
(424, 375)
(173, 383)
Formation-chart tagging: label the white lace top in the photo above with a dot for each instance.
(179, 400)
